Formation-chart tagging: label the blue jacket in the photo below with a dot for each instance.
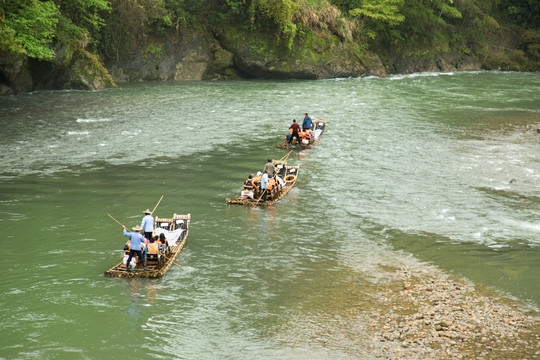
(307, 124)
(136, 239)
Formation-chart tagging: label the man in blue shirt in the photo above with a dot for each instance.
(135, 244)
(264, 184)
(147, 224)
(307, 124)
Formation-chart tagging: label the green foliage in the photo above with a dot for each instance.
(30, 27)
(424, 29)
(236, 6)
(530, 46)
(131, 22)
(525, 13)
(275, 14)
(446, 10)
(388, 27)
(8, 43)
(158, 19)
(189, 13)
(387, 11)
(124, 27)
(84, 14)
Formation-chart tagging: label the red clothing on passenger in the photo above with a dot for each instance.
(295, 127)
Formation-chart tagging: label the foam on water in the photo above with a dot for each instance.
(93, 120)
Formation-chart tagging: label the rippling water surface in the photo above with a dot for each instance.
(443, 168)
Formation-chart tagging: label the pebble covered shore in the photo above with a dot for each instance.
(417, 312)
(428, 314)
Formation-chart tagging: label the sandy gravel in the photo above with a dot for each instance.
(425, 313)
(417, 312)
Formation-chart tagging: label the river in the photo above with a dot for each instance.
(442, 168)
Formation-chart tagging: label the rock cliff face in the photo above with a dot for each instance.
(446, 63)
(230, 55)
(193, 56)
(219, 55)
(70, 69)
(15, 76)
(310, 57)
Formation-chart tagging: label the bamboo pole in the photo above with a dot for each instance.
(285, 157)
(259, 199)
(119, 223)
(157, 205)
(174, 262)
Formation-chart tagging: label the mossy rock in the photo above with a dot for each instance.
(312, 56)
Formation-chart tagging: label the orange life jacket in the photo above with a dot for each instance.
(153, 248)
(250, 182)
(271, 184)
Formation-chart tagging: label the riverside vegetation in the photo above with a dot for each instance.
(91, 44)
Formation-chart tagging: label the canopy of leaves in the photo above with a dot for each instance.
(30, 29)
(525, 13)
(275, 14)
(387, 11)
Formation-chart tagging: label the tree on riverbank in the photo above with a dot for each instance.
(76, 36)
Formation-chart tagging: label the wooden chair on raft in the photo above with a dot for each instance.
(153, 261)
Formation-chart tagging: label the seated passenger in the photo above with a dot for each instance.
(163, 241)
(257, 182)
(247, 194)
(126, 247)
(306, 136)
(257, 179)
(280, 181)
(289, 135)
(271, 185)
(250, 183)
(153, 247)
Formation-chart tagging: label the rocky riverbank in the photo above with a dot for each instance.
(420, 312)
(425, 313)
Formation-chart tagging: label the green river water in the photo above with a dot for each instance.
(439, 168)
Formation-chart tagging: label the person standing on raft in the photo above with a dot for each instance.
(269, 168)
(307, 124)
(135, 245)
(264, 185)
(147, 224)
(295, 130)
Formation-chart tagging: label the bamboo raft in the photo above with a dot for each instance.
(318, 129)
(158, 267)
(284, 170)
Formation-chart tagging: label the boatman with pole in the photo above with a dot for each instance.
(264, 185)
(295, 130)
(147, 224)
(269, 168)
(135, 245)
